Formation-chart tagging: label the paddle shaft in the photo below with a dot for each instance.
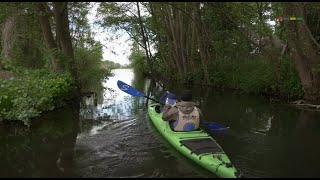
(153, 100)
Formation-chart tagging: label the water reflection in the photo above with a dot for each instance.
(115, 104)
(45, 150)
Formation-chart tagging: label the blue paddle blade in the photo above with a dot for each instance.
(128, 89)
(216, 128)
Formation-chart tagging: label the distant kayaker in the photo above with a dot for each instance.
(183, 116)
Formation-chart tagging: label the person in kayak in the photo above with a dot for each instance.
(184, 115)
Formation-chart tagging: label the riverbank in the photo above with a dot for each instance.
(32, 92)
(255, 76)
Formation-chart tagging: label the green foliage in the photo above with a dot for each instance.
(290, 85)
(124, 16)
(114, 14)
(31, 93)
(88, 52)
(111, 65)
(89, 63)
(137, 59)
(257, 76)
(235, 62)
(313, 19)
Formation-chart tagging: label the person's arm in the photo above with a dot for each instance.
(169, 113)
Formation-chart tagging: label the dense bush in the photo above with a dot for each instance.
(257, 76)
(32, 92)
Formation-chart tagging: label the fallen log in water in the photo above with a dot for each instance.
(305, 105)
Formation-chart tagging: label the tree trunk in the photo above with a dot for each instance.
(201, 42)
(260, 13)
(182, 40)
(8, 36)
(157, 18)
(187, 41)
(48, 37)
(177, 33)
(174, 42)
(168, 35)
(304, 54)
(62, 24)
(60, 10)
(193, 39)
(144, 38)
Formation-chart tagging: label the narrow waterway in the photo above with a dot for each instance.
(115, 138)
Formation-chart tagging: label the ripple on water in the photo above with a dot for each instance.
(119, 147)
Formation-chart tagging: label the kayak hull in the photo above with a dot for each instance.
(198, 146)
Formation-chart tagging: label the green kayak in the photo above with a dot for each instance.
(199, 146)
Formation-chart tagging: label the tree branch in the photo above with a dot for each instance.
(311, 36)
(284, 48)
(47, 9)
(132, 36)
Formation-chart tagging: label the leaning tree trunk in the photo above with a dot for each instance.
(304, 53)
(144, 39)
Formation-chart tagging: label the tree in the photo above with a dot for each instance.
(63, 39)
(303, 51)
(20, 43)
(128, 17)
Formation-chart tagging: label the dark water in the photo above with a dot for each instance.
(116, 138)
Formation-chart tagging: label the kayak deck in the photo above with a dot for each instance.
(201, 146)
(197, 145)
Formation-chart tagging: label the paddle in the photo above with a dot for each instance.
(213, 127)
(132, 91)
(216, 128)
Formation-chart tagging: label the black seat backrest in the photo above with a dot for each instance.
(157, 109)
